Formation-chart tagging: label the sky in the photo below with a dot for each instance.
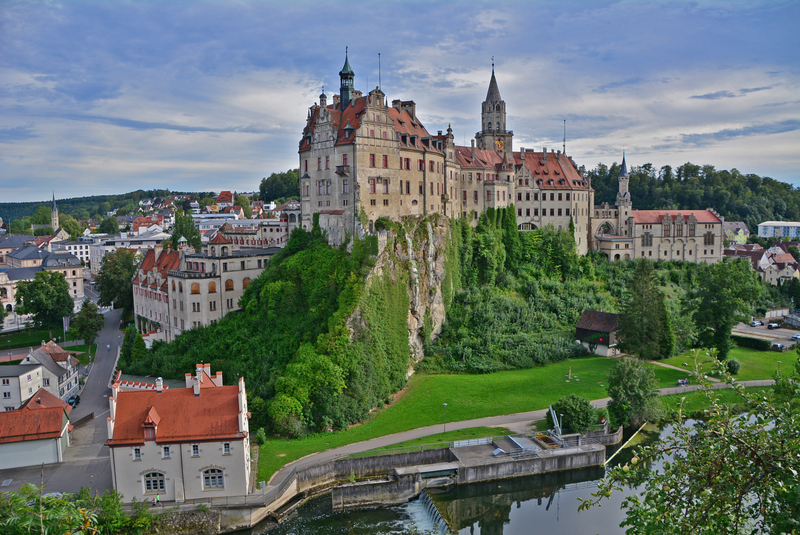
(103, 97)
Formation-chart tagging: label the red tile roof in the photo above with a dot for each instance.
(219, 239)
(212, 415)
(224, 196)
(41, 417)
(556, 172)
(166, 261)
(657, 216)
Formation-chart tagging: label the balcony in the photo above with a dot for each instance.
(343, 170)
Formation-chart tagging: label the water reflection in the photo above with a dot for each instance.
(546, 504)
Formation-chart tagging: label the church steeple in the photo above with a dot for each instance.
(624, 195)
(493, 134)
(346, 75)
(54, 214)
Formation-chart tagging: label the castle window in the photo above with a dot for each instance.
(319, 163)
(527, 196)
(245, 283)
(519, 212)
(421, 191)
(327, 162)
(305, 162)
(213, 478)
(372, 185)
(385, 161)
(372, 160)
(385, 186)
(154, 482)
(195, 288)
(344, 157)
(567, 196)
(567, 213)
(519, 196)
(408, 187)
(229, 284)
(559, 197)
(212, 288)
(345, 186)
(559, 212)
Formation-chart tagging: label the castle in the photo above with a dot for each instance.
(362, 159)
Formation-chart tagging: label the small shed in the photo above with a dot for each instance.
(597, 332)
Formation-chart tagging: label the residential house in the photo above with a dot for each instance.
(18, 383)
(60, 374)
(736, 232)
(180, 443)
(779, 229)
(36, 434)
(23, 264)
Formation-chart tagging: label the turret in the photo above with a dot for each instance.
(493, 134)
(346, 75)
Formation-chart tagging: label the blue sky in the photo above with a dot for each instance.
(101, 97)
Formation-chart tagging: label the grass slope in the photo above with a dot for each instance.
(755, 364)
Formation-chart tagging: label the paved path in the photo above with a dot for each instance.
(518, 423)
(665, 365)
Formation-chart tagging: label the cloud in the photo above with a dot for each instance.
(754, 89)
(147, 125)
(715, 96)
(789, 125)
(620, 83)
(17, 133)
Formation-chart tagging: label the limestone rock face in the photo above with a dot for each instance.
(415, 251)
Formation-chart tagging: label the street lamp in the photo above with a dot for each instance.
(445, 417)
(779, 366)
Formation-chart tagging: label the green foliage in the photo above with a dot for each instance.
(576, 413)
(261, 437)
(44, 231)
(280, 185)
(110, 225)
(114, 279)
(632, 387)
(755, 343)
(87, 323)
(725, 293)
(126, 353)
(139, 350)
(46, 297)
(644, 327)
(733, 474)
(184, 228)
(244, 202)
(733, 366)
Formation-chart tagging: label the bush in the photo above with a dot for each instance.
(755, 343)
(577, 412)
(261, 437)
(733, 366)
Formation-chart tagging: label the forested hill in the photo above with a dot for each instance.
(82, 207)
(736, 197)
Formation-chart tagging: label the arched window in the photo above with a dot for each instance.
(195, 288)
(154, 482)
(245, 283)
(229, 285)
(212, 288)
(180, 287)
(213, 478)
(224, 251)
(498, 126)
(173, 286)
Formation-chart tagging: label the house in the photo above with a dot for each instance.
(77, 248)
(224, 200)
(59, 369)
(18, 384)
(180, 443)
(736, 232)
(597, 331)
(37, 433)
(23, 264)
(779, 229)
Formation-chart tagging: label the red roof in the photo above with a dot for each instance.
(224, 197)
(657, 216)
(184, 417)
(41, 417)
(219, 239)
(166, 261)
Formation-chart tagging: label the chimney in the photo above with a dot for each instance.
(196, 387)
(544, 154)
(199, 373)
(472, 149)
(159, 385)
(39, 401)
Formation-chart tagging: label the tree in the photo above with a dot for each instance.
(88, 322)
(46, 297)
(3, 314)
(139, 350)
(577, 412)
(184, 227)
(734, 474)
(44, 231)
(127, 344)
(726, 291)
(632, 387)
(644, 328)
(280, 186)
(42, 216)
(114, 280)
(70, 225)
(110, 225)
(244, 202)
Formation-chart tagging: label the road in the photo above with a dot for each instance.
(782, 335)
(86, 461)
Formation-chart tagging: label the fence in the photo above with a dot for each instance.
(714, 386)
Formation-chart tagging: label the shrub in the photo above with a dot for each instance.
(733, 366)
(755, 343)
(577, 412)
(261, 437)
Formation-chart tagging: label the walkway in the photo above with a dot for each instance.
(518, 423)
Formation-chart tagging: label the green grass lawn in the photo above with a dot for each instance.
(450, 436)
(755, 364)
(79, 351)
(697, 400)
(467, 397)
(26, 339)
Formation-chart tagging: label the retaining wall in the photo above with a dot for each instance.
(502, 469)
(396, 489)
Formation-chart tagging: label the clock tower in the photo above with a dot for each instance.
(493, 134)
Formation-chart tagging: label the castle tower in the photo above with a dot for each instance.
(346, 90)
(624, 203)
(54, 214)
(493, 134)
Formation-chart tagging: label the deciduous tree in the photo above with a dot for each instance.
(114, 280)
(46, 297)
(110, 225)
(578, 413)
(280, 186)
(632, 387)
(184, 227)
(87, 323)
(244, 202)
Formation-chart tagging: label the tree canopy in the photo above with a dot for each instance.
(110, 225)
(644, 327)
(280, 186)
(46, 297)
(244, 202)
(87, 322)
(184, 228)
(114, 279)
(633, 389)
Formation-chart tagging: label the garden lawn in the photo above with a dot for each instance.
(79, 351)
(697, 400)
(755, 364)
(25, 339)
(450, 436)
(468, 397)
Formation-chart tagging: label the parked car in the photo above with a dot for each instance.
(796, 337)
(74, 400)
(773, 326)
(778, 347)
(757, 323)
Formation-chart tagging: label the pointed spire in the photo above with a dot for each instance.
(54, 201)
(346, 69)
(624, 171)
(493, 95)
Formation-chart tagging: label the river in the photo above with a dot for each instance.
(546, 504)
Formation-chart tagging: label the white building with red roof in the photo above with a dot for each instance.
(180, 443)
(36, 433)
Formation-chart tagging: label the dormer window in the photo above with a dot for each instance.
(149, 433)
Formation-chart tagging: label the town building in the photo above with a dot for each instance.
(597, 331)
(126, 240)
(775, 265)
(23, 264)
(18, 383)
(736, 232)
(60, 374)
(180, 443)
(36, 434)
(77, 248)
(779, 229)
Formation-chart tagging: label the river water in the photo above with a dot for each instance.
(546, 504)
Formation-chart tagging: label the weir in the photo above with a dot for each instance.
(437, 521)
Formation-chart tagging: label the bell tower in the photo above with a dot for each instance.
(54, 214)
(493, 134)
(346, 90)
(624, 203)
